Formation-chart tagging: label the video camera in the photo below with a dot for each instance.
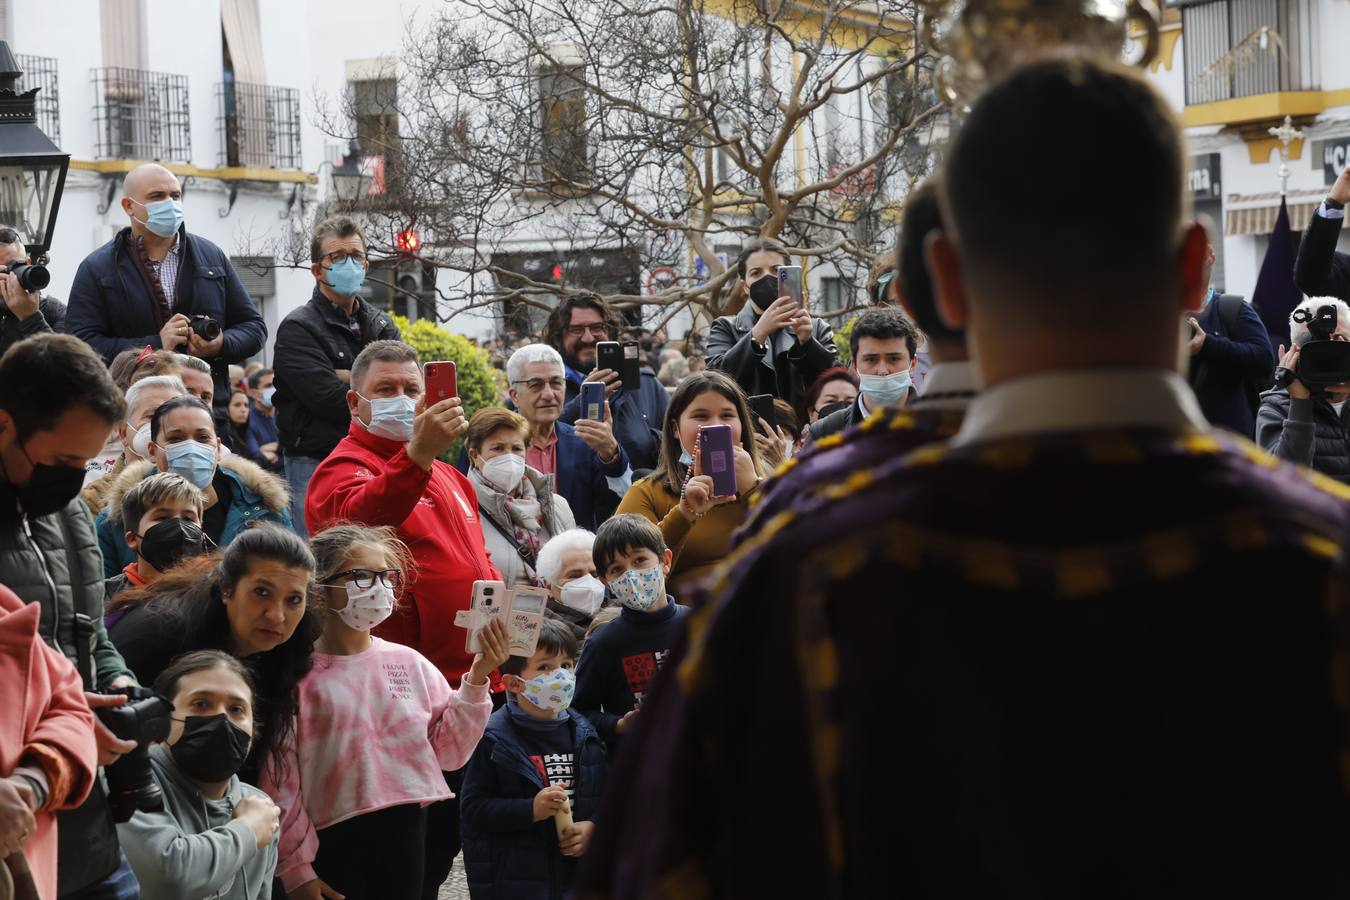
(1322, 361)
(144, 718)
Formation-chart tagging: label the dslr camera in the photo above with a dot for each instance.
(205, 327)
(144, 718)
(32, 277)
(1322, 361)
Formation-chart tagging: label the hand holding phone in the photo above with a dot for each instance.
(441, 381)
(593, 400)
(716, 459)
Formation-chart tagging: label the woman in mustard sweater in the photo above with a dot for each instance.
(697, 526)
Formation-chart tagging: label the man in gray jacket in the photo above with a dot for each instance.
(773, 345)
(1295, 425)
(57, 407)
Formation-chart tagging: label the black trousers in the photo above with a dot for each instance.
(376, 855)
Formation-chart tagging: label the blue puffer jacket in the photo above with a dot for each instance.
(256, 497)
(639, 417)
(508, 855)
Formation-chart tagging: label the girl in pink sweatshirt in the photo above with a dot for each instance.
(377, 726)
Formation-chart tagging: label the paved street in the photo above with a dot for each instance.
(455, 888)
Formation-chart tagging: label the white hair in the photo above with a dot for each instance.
(1298, 330)
(549, 563)
(196, 363)
(163, 382)
(528, 355)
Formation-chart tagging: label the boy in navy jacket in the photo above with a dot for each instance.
(621, 659)
(538, 761)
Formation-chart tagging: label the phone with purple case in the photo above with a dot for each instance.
(593, 400)
(717, 458)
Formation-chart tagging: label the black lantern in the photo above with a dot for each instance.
(32, 168)
(351, 181)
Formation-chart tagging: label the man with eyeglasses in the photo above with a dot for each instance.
(157, 283)
(576, 325)
(588, 464)
(22, 313)
(316, 347)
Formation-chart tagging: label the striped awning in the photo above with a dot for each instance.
(1256, 213)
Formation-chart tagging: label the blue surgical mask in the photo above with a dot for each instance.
(391, 417)
(163, 217)
(640, 589)
(884, 390)
(686, 458)
(268, 394)
(193, 461)
(346, 277)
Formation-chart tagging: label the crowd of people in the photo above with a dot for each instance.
(1018, 553)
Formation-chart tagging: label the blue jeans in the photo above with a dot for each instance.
(299, 470)
(120, 885)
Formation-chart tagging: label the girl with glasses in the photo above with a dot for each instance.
(378, 725)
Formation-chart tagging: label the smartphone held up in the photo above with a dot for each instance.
(717, 458)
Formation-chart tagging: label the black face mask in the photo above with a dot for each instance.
(167, 542)
(764, 291)
(211, 748)
(49, 488)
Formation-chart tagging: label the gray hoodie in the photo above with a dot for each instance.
(195, 849)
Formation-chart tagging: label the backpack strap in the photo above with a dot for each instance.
(1230, 307)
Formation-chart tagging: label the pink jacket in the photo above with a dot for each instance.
(45, 723)
(375, 730)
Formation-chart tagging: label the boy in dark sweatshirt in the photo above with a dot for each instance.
(621, 660)
(537, 760)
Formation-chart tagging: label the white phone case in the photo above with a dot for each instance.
(525, 618)
(490, 600)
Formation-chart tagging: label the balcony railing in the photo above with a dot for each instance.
(141, 115)
(40, 72)
(1241, 48)
(259, 125)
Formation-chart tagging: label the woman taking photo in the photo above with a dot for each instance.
(520, 511)
(678, 497)
(251, 601)
(216, 836)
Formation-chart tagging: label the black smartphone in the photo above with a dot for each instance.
(609, 355)
(631, 370)
(762, 406)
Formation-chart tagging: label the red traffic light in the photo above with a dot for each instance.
(557, 273)
(408, 241)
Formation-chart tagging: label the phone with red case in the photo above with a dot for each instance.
(717, 458)
(441, 380)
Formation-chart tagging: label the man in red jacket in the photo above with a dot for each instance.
(385, 472)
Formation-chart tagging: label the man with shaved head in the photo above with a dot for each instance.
(157, 284)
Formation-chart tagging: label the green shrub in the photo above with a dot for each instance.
(841, 336)
(480, 384)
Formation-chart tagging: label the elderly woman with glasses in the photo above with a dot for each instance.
(589, 466)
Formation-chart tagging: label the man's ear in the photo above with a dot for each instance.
(1194, 262)
(666, 559)
(944, 268)
(8, 432)
(354, 404)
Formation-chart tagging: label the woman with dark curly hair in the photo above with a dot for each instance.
(252, 601)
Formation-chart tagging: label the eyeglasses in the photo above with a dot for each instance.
(598, 330)
(537, 385)
(365, 579)
(332, 259)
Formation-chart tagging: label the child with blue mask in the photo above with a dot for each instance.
(532, 787)
(621, 659)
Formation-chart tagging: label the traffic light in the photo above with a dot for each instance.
(556, 273)
(408, 242)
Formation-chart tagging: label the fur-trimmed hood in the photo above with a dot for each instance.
(270, 490)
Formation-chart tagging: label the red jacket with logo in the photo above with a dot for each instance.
(370, 480)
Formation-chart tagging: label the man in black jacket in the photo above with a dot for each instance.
(772, 346)
(316, 346)
(57, 405)
(23, 313)
(883, 344)
(576, 325)
(154, 283)
(1320, 270)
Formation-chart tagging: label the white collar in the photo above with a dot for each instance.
(1082, 400)
(948, 386)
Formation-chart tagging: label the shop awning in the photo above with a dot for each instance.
(1256, 213)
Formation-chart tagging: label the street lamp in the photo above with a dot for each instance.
(351, 181)
(32, 168)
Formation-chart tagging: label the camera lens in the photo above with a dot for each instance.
(205, 328)
(31, 277)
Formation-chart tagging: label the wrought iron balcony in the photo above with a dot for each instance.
(1243, 48)
(259, 125)
(40, 72)
(141, 115)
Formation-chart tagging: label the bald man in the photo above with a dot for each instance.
(155, 283)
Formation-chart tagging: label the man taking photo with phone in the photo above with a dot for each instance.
(773, 345)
